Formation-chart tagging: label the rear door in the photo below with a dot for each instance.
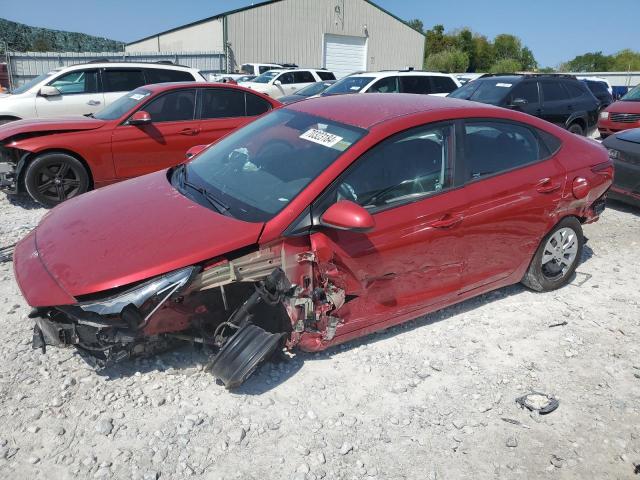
(80, 94)
(223, 110)
(513, 186)
(118, 81)
(442, 86)
(140, 149)
(385, 85)
(556, 106)
(301, 79)
(418, 84)
(411, 258)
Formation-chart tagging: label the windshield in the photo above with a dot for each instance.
(348, 85)
(313, 89)
(122, 105)
(266, 77)
(31, 83)
(256, 171)
(632, 95)
(484, 91)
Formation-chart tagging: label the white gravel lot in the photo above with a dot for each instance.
(426, 400)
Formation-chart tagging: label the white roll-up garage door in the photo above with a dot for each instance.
(345, 54)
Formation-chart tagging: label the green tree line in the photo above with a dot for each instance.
(622, 61)
(463, 50)
(23, 38)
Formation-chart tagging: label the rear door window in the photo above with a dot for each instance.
(157, 75)
(122, 80)
(385, 85)
(415, 84)
(574, 90)
(174, 106)
(286, 78)
(527, 91)
(222, 103)
(492, 147)
(553, 92)
(442, 85)
(303, 77)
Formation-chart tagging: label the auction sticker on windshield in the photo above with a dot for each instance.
(321, 137)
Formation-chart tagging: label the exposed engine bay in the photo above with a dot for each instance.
(244, 308)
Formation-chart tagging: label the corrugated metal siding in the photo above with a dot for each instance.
(27, 65)
(293, 31)
(207, 36)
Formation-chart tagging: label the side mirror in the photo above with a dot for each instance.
(49, 91)
(140, 118)
(346, 215)
(518, 102)
(193, 151)
(277, 83)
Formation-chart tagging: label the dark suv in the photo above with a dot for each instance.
(600, 90)
(559, 99)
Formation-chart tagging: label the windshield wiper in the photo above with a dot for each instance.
(215, 203)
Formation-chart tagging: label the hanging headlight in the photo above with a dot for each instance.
(164, 285)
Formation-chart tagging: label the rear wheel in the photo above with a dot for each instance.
(557, 257)
(52, 178)
(577, 129)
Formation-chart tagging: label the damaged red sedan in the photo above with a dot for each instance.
(318, 223)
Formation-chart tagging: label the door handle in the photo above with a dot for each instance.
(546, 186)
(93, 103)
(189, 131)
(447, 221)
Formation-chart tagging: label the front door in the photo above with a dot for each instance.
(80, 94)
(411, 259)
(140, 149)
(513, 187)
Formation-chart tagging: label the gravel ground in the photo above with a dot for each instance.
(432, 399)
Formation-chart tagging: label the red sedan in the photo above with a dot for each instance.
(148, 129)
(320, 222)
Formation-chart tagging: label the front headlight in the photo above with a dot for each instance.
(156, 287)
(613, 154)
(604, 115)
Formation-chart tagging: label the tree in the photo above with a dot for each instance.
(506, 65)
(626, 60)
(416, 24)
(464, 42)
(507, 46)
(589, 62)
(527, 60)
(436, 40)
(484, 53)
(450, 61)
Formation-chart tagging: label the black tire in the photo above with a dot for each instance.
(52, 178)
(544, 278)
(576, 128)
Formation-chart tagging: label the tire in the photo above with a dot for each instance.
(576, 128)
(553, 273)
(52, 178)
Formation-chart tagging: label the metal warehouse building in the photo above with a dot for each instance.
(341, 35)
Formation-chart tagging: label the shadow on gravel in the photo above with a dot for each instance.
(623, 207)
(23, 201)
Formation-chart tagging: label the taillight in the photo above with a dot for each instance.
(580, 187)
(605, 169)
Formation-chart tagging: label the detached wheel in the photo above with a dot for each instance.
(52, 178)
(577, 129)
(557, 257)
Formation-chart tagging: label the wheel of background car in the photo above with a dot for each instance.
(557, 257)
(52, 178)
(576, 128)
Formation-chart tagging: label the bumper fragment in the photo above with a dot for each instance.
(8, 177)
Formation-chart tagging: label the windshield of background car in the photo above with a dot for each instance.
(260, 168)
(632, 95)
(122, 105)
(266, 77)
(31, 83)
(485, 91)
(348, 85)
(313, 89)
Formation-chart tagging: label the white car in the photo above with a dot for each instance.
(258, 68)
(278, 83)
(396, 81)
(87, 88)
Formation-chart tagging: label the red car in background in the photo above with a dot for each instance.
(149, 129)
(320, 222)
(621, 115)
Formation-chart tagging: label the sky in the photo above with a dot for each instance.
(556, 30)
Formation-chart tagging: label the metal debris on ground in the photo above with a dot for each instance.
(539, 402)
(561, 324)
(6, 253)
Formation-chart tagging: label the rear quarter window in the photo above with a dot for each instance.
(157, 75)
(326, 75)
(442, 85)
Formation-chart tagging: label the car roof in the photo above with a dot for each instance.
(163, 66)
(389, 73)
(161, 87)
(364, 111)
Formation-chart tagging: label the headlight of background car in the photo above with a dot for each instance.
(604, 115)
(164, 285)
(613, 154)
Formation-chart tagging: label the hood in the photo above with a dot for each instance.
(132, 231)
(55, 124)
(623, 107)
(632, 135)
(291, 98)
(256, 86)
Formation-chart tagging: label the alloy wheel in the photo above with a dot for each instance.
(58, 181)
(560, 253)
